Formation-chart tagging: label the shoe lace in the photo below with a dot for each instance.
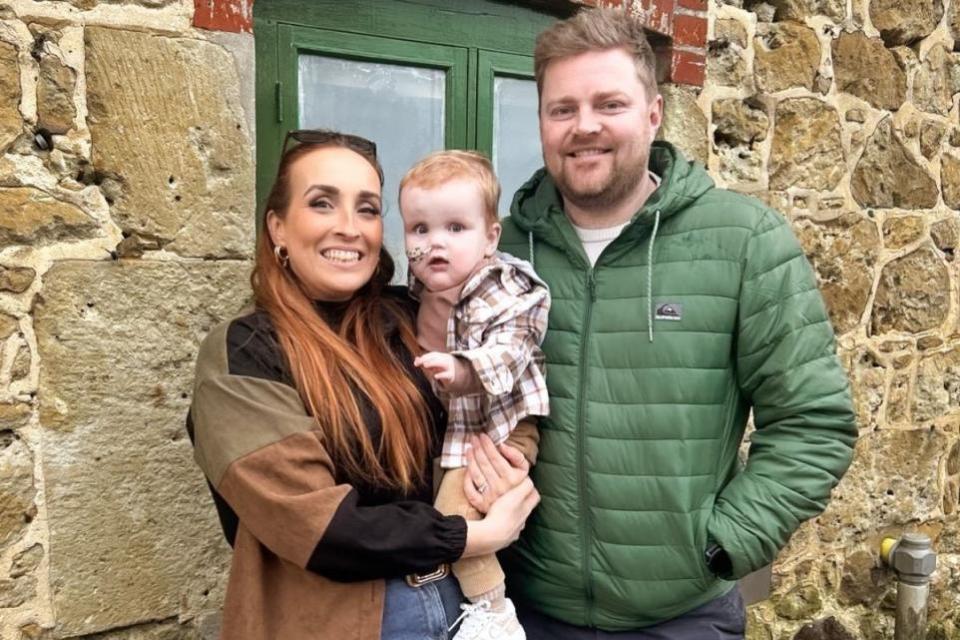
(472, 617)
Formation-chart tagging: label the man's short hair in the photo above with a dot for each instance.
(441, 167)
(597, 29)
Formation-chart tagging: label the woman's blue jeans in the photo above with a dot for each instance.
(420, 613)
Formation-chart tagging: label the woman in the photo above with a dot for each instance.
(316, 432)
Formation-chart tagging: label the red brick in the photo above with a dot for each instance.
(660, 16)
(695, 5)
(687, 68)
(689, 30)
(224, 15)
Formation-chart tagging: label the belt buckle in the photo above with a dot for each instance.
(420, 579)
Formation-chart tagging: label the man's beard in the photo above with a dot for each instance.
(622, 181)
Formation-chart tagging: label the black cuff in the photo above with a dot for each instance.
(718, 561)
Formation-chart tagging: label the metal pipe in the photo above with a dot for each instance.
(913, 559)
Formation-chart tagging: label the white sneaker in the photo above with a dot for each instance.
(480, 623)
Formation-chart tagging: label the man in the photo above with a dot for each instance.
(678, 308)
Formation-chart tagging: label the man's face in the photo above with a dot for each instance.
(596, 127)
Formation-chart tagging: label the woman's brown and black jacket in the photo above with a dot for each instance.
(310, 548)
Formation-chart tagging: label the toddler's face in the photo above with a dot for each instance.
(445, 232)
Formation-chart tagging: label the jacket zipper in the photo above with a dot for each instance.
(586, 520)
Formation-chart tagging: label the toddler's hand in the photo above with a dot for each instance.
(442, 366)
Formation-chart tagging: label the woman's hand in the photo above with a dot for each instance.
(504, 521)
(492, 471)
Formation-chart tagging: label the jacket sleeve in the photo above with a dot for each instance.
(789, 372)
(263, 455)
(511, 339)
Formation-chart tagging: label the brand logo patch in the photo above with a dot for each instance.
(669, 311)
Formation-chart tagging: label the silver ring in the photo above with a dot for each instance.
(482, 488)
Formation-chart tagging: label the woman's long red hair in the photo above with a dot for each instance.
(328, 366)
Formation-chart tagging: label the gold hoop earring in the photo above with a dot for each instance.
(282, 256)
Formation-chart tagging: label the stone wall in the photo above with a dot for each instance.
(843, 115)
(126, 227)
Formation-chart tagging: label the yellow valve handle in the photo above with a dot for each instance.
(886, 547)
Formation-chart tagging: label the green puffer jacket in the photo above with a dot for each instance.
(649, 395)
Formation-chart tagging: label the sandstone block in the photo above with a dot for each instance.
(945, 236)
(34, 217)
(887, 175)
(683, 122)
(913, 294)
(824, 629)
(902, 230)
(905, 21)
(164, 630)
(89, 4)
(864, 580)
(16, 279)
(20, 368)
(799, 9)
(757, 627)
(731, 31)
(8, 326)
(786, 56)
(14, 416)
(806, 150)
(132, 525)
(741, 164)
(13, 593)
(954, 22)
(855, 115)
(843, 254)
(55, 89)
(800, 603)
(897, 402)
(726, 65)
(11, 124)
(937, 391)
(738, 122)
(865, 68)
(931, 137)
(868, 379)
(894, 478)
(188, 182)
(950, 179)
(16, 488)
(26, 561)
(936, 81)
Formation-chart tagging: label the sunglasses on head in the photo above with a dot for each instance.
(323, 136)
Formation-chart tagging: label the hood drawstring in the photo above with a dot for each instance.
(653, 238)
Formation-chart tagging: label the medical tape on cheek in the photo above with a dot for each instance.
(417, 254)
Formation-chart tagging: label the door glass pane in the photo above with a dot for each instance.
(401, 108)
(516, 135)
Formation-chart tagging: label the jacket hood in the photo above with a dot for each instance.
(682, 182)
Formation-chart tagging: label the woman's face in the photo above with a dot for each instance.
(332, 229)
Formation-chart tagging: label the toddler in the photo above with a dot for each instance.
(482, 317)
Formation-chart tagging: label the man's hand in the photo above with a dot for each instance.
(441, 366)
(493, 469)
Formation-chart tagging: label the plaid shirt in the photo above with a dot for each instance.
(497, 325)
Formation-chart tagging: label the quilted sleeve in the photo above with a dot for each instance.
(789, 372)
